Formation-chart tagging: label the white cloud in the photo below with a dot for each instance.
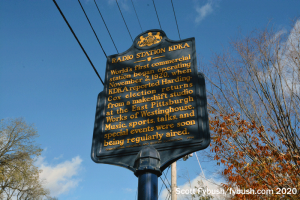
(203, 11)
(59, 178)
(291, 56)
(211, 184)
(59, 157)
(287, 64)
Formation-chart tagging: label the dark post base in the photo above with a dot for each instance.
(147, 165)
(147, 187)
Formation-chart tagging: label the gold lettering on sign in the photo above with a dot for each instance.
(147, 137)
(159, 96)
(151, 52)
(167, 62)
(122, 59)
(178, 47)
(174, 133)
(121, 71)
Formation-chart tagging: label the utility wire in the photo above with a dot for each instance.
(169, 196)
(136, 15)
(200, 165)
(92, 28)
(203, 176)
(77, 40)
(106, 26)
(163, 185)
(167, 179)
(124, 20)
(156, 14)
(175, 19)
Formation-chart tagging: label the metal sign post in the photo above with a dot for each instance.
(152, 110)
(147, 170)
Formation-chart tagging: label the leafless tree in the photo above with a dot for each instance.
(258, 76)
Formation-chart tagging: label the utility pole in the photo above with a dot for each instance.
(173, 181)
(174, 177)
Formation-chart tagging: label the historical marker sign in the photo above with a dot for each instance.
(154, 96)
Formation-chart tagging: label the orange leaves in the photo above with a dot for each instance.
(225, 172)
(216, 157)
(216, 148)
(251, 161)
(241, 154)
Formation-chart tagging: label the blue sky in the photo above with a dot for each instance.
(46, 78)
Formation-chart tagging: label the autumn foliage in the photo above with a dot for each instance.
(250, 162)
(253, 97)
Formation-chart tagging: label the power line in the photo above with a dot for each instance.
(175, 19)
(200, 165)
(163, 185)
(92, 29)
(156, 14)
(106, 26)
(203, 172)
(136, 15)
(167, 196)
(77, 40)
(167, 179)
(124, 20)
